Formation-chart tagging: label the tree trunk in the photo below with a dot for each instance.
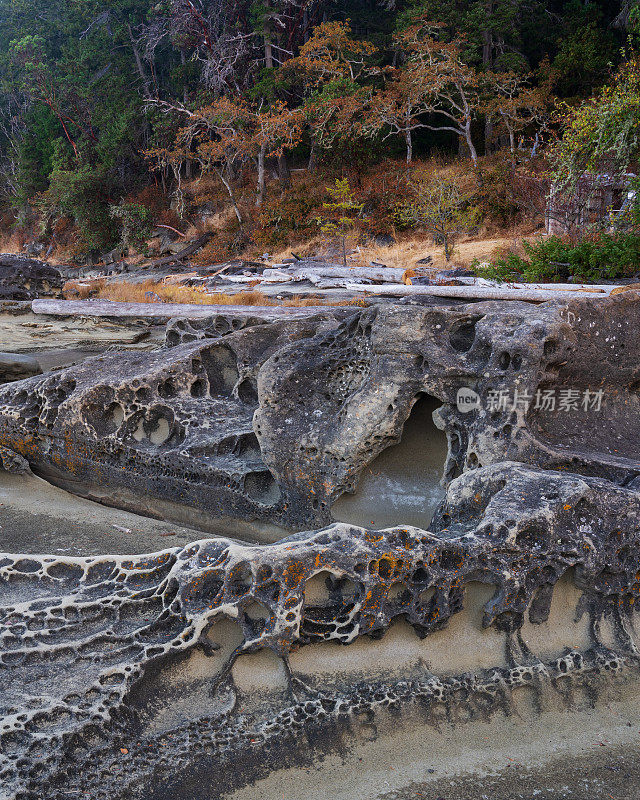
(472, 151)
(267, 34)
(136, 54)
(305, 25)
(487, 63)
(232, 197)
(185, 103)
(311, 165)
(268, 49)
(409, 140)
(284, 173)
(261, 176)
(468, 139)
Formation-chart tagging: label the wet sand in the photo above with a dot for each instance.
(36, 517)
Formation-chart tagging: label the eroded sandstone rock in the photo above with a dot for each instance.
(13, 463)
(192, 672)
(89, 643)
(269, 424)
(168, 433)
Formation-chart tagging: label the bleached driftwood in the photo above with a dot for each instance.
(602, 288)
(162, 311)
(387, 274)
(474, 292)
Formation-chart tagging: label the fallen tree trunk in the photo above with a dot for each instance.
(602, 288)
(473, 292)
(165, 311)
(295, 273)
(181, 254)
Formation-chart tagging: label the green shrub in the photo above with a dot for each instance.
(81, 194)
(556, 259)
(135, 224)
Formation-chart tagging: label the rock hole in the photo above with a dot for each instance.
(463, 334)
(167, 389)
(396, 592)
(221, 365)
(241, 578)
(139, 433)
(115, 415)
(247, 447)
(402, 485)
(159, 431)
(198, 388)
(248, 391)
(533, 536)
(262, 487)
(257, 615)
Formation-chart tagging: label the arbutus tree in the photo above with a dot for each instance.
(224, 135)
(515, 105)
(434, 89)
(328, 69)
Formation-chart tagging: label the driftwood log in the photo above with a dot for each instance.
(604, 288)
(475, 292)
(165, 311)
(296, 273)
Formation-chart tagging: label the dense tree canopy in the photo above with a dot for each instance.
(99, 98)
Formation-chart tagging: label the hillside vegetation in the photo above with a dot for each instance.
(280, 124)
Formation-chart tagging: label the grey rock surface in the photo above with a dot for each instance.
(15, 366)
(87, 642)
(268, 424)
(24, 278)
(204, 669)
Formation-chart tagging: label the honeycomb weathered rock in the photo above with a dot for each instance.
(271, 423)
(80, 634)
(127, 676)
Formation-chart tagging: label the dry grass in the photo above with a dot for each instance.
(124, 292)
(12, 242)
(406, 252)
